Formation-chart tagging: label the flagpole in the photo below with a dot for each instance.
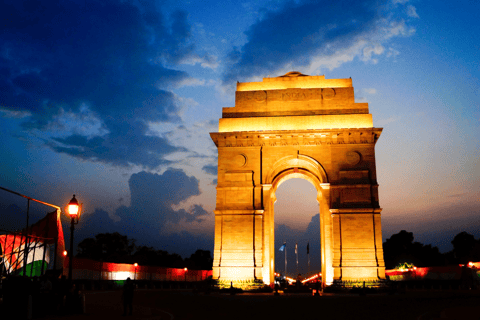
(25, 253)
(296, 254)
(285, 261)
(308, 257)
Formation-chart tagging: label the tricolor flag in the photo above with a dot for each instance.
(35, 243)
(296, 253)
(283, 246)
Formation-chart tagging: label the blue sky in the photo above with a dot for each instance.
(114, 100)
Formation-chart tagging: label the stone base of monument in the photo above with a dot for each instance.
(242, 286)
(358, 286)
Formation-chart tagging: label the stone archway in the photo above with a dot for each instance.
(297, 126)
(307, 168)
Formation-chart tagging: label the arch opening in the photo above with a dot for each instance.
(297, 221)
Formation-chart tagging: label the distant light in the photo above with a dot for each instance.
(65, 253)
(135, 264)
(184, 269)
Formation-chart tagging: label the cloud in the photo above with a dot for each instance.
(392, 53)
(309, 35)
(127, 144)
(370, 90)
(210, 169)
(190, 82)
(206, 61)
(152, 198)
(412, 12)
(60, 58)
(151, 212)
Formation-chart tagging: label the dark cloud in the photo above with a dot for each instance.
(150, 211)
(93, 223)
(57, 57)
(152, 198)
(132, 146)
(210, 169)
(298, 32)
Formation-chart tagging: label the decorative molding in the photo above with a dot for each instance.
(296, 137)
(356, 210)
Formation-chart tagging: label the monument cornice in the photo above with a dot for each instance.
(278, 138)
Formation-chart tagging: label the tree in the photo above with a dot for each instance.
(463, 247)
(112, 247)
(148, 256)
(200, 260)
(400, 248)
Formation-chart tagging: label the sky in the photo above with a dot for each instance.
(113, 101)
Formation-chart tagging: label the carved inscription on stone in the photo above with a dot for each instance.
(292, 94)
(328, 93)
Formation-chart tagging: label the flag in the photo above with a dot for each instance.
(296, 252)
(35, 243)
(283, 246)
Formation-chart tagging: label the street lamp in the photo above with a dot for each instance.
(135, 265)
(185, 272)
(74, 211)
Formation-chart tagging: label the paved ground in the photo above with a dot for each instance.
(163, 304)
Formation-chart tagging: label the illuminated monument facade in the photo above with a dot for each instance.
(297, 126)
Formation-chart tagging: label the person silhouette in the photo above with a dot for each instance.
(127, 297)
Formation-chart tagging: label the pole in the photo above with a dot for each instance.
(308, 256)
(285, 262)
(25, 252)
(296, 255)
(70, 259)
(21, 195)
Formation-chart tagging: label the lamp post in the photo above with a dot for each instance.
(135, 265)
(185, 273)
(73, 210)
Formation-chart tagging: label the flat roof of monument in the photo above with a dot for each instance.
(294, 79)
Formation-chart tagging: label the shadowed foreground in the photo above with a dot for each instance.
(163, 304)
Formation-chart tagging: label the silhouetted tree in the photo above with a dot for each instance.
(200, 260)
(465, 248)
(112, 247)
(150, 257)
(400, 248)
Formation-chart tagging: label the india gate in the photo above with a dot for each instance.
(297, 126)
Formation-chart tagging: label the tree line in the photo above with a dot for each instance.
(114, 247)
(398, 249)
(401, 248)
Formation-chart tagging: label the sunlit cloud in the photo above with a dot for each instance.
(324, 38)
